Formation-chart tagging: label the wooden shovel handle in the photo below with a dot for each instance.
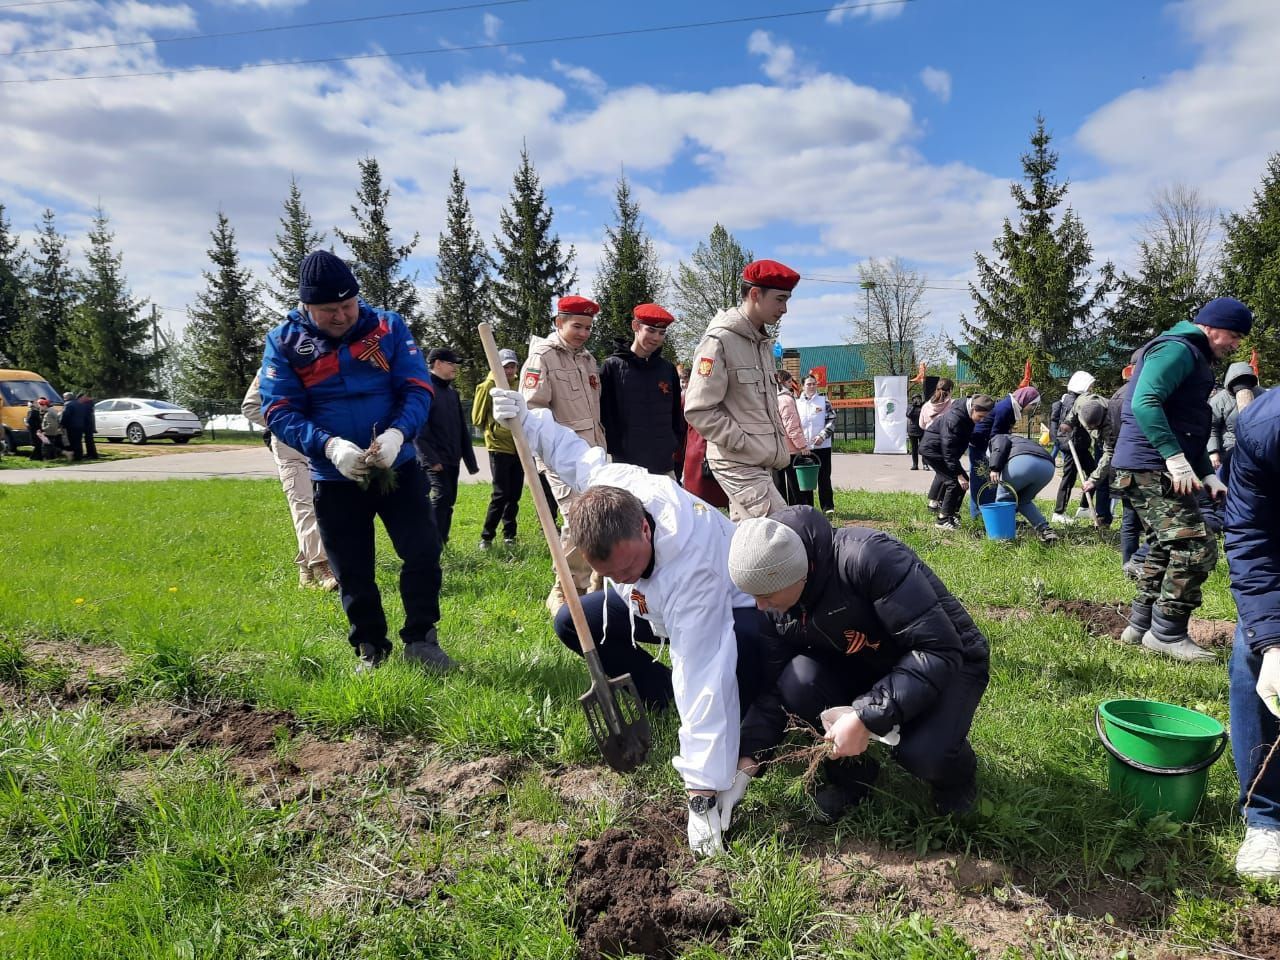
(549, 531)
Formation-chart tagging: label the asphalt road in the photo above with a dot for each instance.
(849, 471)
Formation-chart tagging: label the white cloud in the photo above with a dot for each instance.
(873, 10)
(492, 26)
(779, 57)
(264, 4)
(937, 82)
(587, 79)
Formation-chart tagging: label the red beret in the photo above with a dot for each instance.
(770, 274)
(653, 315)
(578, 306)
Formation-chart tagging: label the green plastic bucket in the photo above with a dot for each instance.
(806, 473)
(1159, 754)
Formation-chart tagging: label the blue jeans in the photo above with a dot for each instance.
(1028, 475)
(1253, 729)
(1132, 536)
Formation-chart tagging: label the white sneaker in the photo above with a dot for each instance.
(1259, 856)
(1061, 519)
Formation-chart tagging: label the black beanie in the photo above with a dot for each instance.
(1226, 313)
(324, 278)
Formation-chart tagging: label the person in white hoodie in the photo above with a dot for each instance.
(665, 556)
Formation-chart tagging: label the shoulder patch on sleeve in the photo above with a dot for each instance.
(531, 378)
(705, 366)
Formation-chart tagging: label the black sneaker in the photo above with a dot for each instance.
(369, 657)
(849, 782)
(428, 654)
(509, 543)
(958, 799)
(948, 523)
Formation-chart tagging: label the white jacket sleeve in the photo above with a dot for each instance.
(704, 663)
(566, 454)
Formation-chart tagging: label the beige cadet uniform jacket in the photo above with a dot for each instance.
(731, 397)
(566, 382)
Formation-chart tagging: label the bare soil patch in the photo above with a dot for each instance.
(623, 900)
(1109, 619)
(1259, 934)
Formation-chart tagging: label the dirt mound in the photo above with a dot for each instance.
(240, 727)
(1101, 619)
(1212, 633)
(460, 785)
(1260, 934)
(622, 901)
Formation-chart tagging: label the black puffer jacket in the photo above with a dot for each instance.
(913, 419)
(872, 604)
(1005, 446)
(640, 410)
(947, 437)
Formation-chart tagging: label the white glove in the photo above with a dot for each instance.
(1217, 489)
(705, 831)
(347, 457)
(1268, 685)
(726, 800)
(1184, 478)
(508, 405)
(388, 443)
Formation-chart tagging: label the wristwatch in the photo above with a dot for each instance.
(699, 804)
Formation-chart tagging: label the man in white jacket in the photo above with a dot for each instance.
(665, 554)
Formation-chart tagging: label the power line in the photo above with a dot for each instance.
(429, 51)
(259, 30)
(35, 3)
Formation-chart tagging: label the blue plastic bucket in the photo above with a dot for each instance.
(999, 517)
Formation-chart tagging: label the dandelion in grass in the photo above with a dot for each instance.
(79, 601)
(173, 589)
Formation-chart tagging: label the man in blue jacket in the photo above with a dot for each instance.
(1253, 555)
(1161, 462)
(336, 375)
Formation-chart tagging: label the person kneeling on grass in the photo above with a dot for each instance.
(864, 627)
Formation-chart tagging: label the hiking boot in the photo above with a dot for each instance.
(485, 546)
(323, 576)
(1133, 569)
(1046, 534)
(1168, 636)
(955, 799)
(1061, 519)
(427, 654)
(305, 577)
(1259, 856)
(829, 514)
(848, 783)
(948, 523)
(370, 658)
(1139, 623)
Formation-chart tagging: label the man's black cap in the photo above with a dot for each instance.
(442, 353)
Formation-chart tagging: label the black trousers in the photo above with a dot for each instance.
(90, 448)
(913, 448)
(934, 746)
(826, 497)
(618, 655)
(1069, 473)
(75, 442)
(345, 515)
(444, 494)
(504, 504)
(949, 492)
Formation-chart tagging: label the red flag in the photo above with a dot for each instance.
(820, 374)
(1253, 361)
(1026, 375)
(919, 377)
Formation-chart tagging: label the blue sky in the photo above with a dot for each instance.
(822, 140)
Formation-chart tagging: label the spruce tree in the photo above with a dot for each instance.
(1033, 299)
(223, 342)
(378, 259)
(41, 337)
(13, 289)
(462, 276)
(630, 274)
(1251, 268)
(531, 270)
(706, 285)
(297, 238)
(108, 348)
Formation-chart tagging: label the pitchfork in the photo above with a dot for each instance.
(615, 712)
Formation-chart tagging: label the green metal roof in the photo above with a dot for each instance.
(844, 362)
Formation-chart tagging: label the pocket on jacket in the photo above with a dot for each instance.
(569, 380)
(758, 428)
(578, 426)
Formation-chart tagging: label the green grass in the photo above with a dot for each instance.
(194, 581)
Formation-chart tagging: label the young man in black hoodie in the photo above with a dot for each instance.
(640, 397)
(445, 439)
(945, 441)
(870, 644)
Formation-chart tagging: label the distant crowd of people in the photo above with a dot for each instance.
(62, 432)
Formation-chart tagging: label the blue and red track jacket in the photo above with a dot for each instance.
(315, 387)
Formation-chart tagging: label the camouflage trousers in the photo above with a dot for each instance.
(1182, 552)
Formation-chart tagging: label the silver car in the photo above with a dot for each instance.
(138, 420)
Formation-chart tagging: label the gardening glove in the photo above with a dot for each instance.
(347, 457)
(726, 800)
(1268, 685)
(1217, 489)
(706, 830)
(388, 443)
(508, 405)
(1184, 478)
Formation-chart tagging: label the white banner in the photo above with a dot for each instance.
(891, 415)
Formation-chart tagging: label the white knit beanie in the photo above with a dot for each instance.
(766, 556)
